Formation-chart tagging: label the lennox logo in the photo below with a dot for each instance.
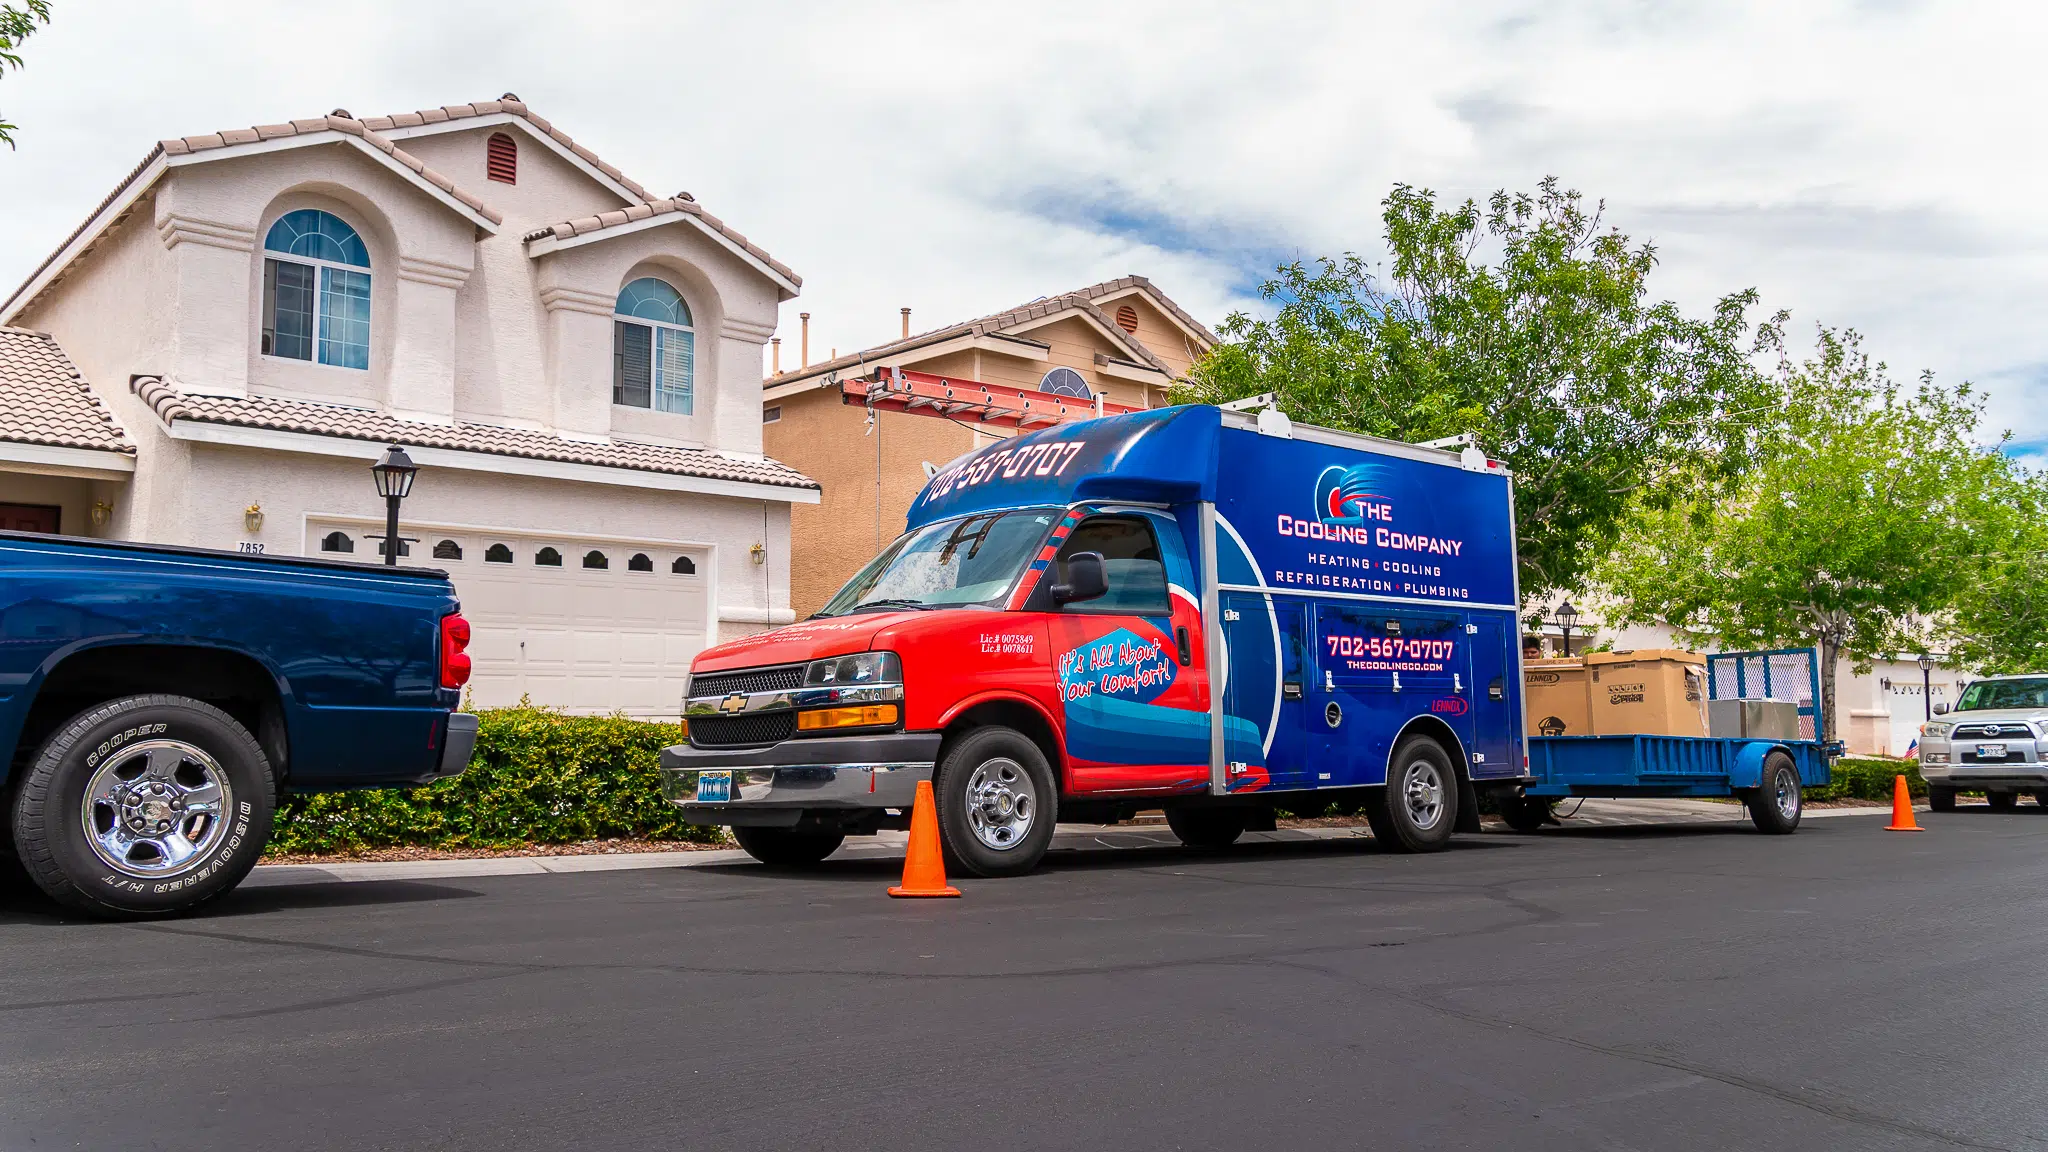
(1450, 706)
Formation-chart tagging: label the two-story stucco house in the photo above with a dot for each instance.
(252, 317)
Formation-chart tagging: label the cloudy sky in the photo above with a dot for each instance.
(1877, 164)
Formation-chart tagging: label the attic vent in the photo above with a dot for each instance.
(1127, 318)
(501, 159)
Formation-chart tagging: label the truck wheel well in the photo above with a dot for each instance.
(1437, 730)
(1009, 714)
(234, 683)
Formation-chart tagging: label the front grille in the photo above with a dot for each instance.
(1981, 731)
(738, 731)
(781, 679)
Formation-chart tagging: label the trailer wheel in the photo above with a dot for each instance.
(2002, 801)
(1526, 813)
(1776, 807)
(144, 806)
(1941, 799)
(1418, 809)
(997, 803)
(787, 847)
(1207, 829)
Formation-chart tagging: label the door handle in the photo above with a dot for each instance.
(1457, 684)
(1187, 655)
(1329, 681)
(1397, 681)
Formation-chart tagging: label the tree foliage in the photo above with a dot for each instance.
(17, 23)
(1999, 623)
(1552, 352)
(1853, 527)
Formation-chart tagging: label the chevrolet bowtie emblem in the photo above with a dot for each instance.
(737, 702)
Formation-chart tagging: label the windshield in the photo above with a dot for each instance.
(952, 563)
(1987, 694)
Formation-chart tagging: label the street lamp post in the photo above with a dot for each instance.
(1567, 616)
(1927, 686)
(394, 472)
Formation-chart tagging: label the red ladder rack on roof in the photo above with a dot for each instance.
(928, 394)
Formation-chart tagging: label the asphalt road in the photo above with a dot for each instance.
(1704, 988)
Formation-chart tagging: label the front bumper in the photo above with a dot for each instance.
(777, 784)
(2025, 769)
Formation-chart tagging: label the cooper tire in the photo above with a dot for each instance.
(997, 803)
(1941, 799)
(1418, 809)
(787, 847)
(1207, 829)
(1525, 813)
(1776, 806)
(167, 773)
(2002, 801)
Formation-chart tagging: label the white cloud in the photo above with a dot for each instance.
(1863, 164)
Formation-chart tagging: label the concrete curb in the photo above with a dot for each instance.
(1068, 838)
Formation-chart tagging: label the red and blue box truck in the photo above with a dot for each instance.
(1187, 609)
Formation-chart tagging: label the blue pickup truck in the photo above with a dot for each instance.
(155, 703)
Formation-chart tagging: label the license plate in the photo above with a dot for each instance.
(714, 787)
(1990, 751)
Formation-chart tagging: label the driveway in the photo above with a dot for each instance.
(1691, 986)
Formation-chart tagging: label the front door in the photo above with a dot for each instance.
(31, 517)
(1136, 716)
(1380, 668)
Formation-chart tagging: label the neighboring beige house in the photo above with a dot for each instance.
(1123, 339)
(252, 316)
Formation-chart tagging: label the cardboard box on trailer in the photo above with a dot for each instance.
(1650, 691)
(1555, 694)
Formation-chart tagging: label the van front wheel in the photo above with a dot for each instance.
(997, 803)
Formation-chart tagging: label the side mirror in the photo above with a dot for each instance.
(1086, 579)
(1941, 709)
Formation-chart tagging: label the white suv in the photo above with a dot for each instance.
(1994, 742)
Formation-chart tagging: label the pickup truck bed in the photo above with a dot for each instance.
(155, 702)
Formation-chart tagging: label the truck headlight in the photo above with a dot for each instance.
(1937, 731)
(857, 670)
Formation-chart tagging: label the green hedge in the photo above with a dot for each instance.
(1858, 778)
(538, 777)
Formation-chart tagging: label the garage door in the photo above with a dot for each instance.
(580, 623)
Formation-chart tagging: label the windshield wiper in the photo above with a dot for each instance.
(890, 603)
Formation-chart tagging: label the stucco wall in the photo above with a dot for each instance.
(72, 496)
(835, 537)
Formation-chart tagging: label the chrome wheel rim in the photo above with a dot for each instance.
(1002, 803)
(155, 807)
(1786, 793)
(1422, 790)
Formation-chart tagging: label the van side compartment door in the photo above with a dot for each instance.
(1380, 667)
(1496, 717)
(1264, 693)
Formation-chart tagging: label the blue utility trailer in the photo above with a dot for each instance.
(1766, 774)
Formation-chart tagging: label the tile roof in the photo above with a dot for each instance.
(687, 204)
(996, 324)
(44, 398)
(283, 415)
(513, 106)
(335, 122)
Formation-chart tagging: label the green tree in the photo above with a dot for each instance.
(1853, 528)
(2000, 620)
(1552, 353)
(17, 23)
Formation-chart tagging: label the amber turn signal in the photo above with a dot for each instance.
(686, 727)
(865, 717)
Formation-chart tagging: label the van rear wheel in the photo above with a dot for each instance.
(1418, 808)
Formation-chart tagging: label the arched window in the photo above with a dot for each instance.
(1066, 382)
(337, 542)
(548, 558)
(684, 566)
(640, 563)
(447, 550)
(595, 559)
(501, 158)
(498, 554)
(404, 548)
(316, 290)
(653, 348)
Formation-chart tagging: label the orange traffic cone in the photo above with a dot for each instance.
(1902, 808)
(924, 869)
